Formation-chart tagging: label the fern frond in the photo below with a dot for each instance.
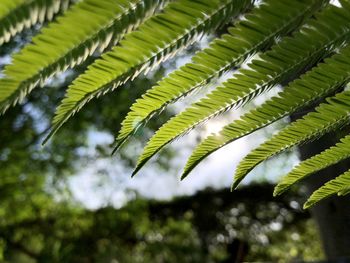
(88, 26)
(312, 86)
(270, 20)
(339, 185)
(16, 15)
(327, 117)
(287, 58)
(331, 156)
(157, 39)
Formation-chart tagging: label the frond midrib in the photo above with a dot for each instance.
(16, 13)
(314, 164)
(26, 85)
(122, 138)
(215, 142)
(121, 78)
(241, 171)
(264, 88)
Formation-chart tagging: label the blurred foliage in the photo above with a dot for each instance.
(181, 230)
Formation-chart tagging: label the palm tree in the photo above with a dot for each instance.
(302, 45)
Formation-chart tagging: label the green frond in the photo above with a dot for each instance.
(329, 116)
(331, 156)
(287, 58)
(344, 191)
(312, 86)
(339, 185)
(156, 40)
(270, 20)
(88, 26)
(15, 15)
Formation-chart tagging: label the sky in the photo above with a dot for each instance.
(114, 185)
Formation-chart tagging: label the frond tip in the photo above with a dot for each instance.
(339, 185)
(331, 156)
